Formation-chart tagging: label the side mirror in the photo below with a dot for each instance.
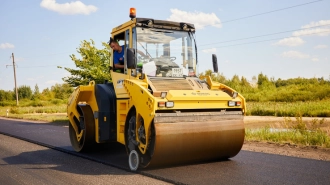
(215, 63)
(131, 59)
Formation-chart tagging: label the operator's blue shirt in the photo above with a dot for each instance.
(118, 58)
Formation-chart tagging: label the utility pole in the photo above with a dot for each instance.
(14, 66)
(15, 78)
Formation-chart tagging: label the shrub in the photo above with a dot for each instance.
(56, 101)
(14, 110)
(7, 103)
(37, 103)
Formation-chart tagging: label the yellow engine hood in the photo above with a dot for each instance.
(173, 95)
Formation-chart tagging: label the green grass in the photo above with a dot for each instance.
(61, 118)
(295, 132)
(48, 112)
(31, 109)
(289, 109)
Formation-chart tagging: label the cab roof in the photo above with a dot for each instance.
(161, 24)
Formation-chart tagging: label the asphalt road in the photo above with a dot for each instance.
(22, 162)
(246, 168)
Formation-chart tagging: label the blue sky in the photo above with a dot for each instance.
(43, 33)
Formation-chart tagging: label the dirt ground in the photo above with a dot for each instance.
(310, 152)
(287, 149)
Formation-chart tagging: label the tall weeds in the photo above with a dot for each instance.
(290, 109)
(295, 132)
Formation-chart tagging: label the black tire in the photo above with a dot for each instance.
(132, 144)
(130, 136)
(134, 160)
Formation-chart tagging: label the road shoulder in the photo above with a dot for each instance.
(287, 149)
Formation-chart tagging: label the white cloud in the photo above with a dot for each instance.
(294, 41)
(51, 82)
(319, 23)
(316, 31)
(322, 46)
(312, 31)
(35, 78)
(74, 7)
(6, 46)
(295, 55)
(315, 59)
(211, 50)
(199, 19)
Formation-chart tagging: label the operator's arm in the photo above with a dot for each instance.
(119, 66)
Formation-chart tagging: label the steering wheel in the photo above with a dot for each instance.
(144, 59)
(172, 58)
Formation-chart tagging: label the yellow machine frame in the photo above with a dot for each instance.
(133, 97)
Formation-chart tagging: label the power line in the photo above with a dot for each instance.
(261, 35)
(44, 55)
(38, 66)
(4, 61)
(265, 40)
(272, 11)
(1, 70)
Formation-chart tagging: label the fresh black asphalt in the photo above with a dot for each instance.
(246, 168)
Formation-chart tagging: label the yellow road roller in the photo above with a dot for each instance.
(156, 105)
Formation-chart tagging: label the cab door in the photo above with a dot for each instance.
(118, 76)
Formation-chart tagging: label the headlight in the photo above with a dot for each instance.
(163, 94)
(169, 104)
(234, 103)
(231, 103)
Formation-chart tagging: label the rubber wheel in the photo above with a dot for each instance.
(133, 160)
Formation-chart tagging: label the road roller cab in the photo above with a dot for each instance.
(156, 105)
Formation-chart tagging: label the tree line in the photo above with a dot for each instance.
(93, 64)
(262, 88)
(259, 89)
(56, 93)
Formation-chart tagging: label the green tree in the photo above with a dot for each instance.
(61, 91)
(93, 64)
(244, 82)
(24, 92)
(6, 95)
(47, 94)
(234, 83)
(264, 83)
(36, 92)
(245, 85)
(218, 77)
